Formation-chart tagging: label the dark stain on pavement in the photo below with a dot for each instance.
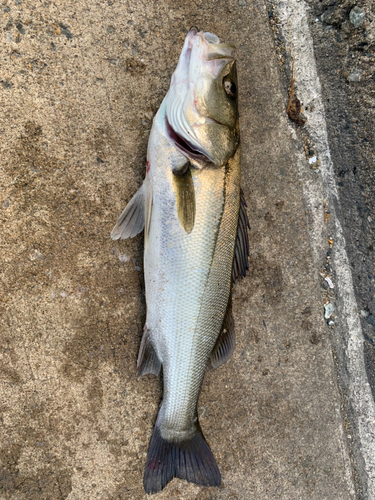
(95, 395)
(267, 275)
(96, 342)
(9, 374)
(50, 483)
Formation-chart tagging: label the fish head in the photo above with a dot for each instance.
(201, 104)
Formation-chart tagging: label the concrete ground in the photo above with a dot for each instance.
(290, 416)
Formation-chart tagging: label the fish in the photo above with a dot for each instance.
(193, 213)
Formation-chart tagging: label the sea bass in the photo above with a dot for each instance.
(192, 210)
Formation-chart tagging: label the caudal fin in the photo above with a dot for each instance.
(191, 460)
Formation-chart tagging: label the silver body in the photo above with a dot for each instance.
(187, 276)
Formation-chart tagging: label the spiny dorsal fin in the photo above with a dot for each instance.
(148, 361)
(226, 342)
(241, 251)
(185, 198)
(132, 220)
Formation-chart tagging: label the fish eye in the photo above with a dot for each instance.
(230, 87)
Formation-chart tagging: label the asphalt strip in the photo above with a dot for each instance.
(293, 23)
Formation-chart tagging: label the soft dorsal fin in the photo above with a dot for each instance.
(226, 342)
(185, 198)
(241, 251)
(148, 361)
(132, 220)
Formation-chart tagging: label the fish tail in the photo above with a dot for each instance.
(191, 459)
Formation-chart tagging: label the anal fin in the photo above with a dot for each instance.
(226, 342)
(148, 361)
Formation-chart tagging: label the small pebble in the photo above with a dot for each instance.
(312, 160)
(364, 313)
(122, 257)
(330, 284)
(354, 76)
(356, 16)
(35, 255)
(330, 322)
(328, 310)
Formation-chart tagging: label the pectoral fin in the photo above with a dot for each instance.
(148, 361)
(132, 220)
(226, 342)
(241, 252)
(185, 198)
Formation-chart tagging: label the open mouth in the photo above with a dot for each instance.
(185, 146)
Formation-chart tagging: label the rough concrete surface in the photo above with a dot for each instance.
(337, 147)
(342, 52)
(80, 83)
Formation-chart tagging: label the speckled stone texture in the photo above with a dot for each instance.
(80, 84)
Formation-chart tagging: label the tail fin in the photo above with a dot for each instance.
(191, 460)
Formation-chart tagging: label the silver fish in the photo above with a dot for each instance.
(192, 210)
